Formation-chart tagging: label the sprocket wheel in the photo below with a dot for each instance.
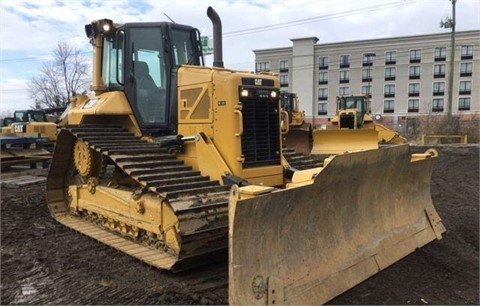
(87, 162)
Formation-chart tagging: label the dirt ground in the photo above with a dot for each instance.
(43, 262)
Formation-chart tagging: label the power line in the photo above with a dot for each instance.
(269, 27)
(315, 19)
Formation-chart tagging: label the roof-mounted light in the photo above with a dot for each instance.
(106, 25)
(102, 26)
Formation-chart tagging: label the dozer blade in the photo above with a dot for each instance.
(306, 245)
(341, 141)
(386, 135)
(299, 138)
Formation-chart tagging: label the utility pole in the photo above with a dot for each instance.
(450, 23)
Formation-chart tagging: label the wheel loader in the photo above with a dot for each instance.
(30, 123)
(179, 165)
(352, 128)
(26, 137)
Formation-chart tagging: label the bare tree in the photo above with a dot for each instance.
(60, 79)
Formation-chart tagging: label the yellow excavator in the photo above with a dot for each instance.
(352, 128)
(178, 165)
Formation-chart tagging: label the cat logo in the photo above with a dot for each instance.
(18, 128)
(258, 82)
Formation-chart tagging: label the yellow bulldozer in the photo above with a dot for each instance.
(179, 165)
(298, 132)
(352, 128)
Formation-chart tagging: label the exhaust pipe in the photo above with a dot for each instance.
(217, 37)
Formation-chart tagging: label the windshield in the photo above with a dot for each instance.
(29, 116)
(183, 52)
(352, 102)
(112, 68)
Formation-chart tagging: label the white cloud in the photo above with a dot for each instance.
(31, 29)
(14, 95)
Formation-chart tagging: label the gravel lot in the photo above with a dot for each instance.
(43, 262)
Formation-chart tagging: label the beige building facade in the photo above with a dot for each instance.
(405, 77)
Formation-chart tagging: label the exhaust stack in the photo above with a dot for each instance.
(217, 37)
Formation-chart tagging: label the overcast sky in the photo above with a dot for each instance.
(31, 29)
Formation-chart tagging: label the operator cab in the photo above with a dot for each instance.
(346, 105)
(141, 59)
(29, 116)
(287, 101)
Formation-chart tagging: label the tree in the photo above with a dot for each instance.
(60, 79)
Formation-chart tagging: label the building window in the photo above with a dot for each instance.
(284, 66)
(262, 66)
(464, 104)
(414, 89)
(413, 105)
(390, 73)
(389, 91)
(323, 62)
(367, 90)
(437, 105)
(467, 52)
(344, 76)
(415, 56)
(343, 91)
(322, 108)
(283, 80)
(322, 94)
(439, 71)
(438, 88)
(344, 61)
(366, 74)
(465, 69)
(388, 106)
(440, 54)
(465, 87)
(390, 57)
(323, 77)
(368, 59)
(414, 73)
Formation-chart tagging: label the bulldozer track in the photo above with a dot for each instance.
(200, 204)
(301, 161)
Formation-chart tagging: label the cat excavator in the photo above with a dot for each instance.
(178, 165)
(352, 128)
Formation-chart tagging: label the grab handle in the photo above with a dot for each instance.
(285, 121)
(240, 123)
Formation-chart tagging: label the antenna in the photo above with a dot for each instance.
(169, 18)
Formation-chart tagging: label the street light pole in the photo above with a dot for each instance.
(370, 57)
(450, 23)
